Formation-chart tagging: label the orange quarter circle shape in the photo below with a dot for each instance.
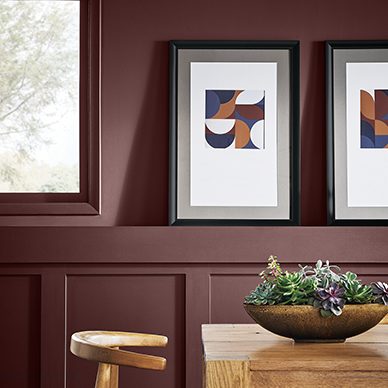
(367, 105)
(381, 128)
(242, 134)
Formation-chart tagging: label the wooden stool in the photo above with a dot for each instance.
(103, 347)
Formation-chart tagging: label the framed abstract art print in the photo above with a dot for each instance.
(357, 135)
(234, 133)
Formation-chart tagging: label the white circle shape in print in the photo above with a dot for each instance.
(249, 97)
(220, 126)
(257, 134)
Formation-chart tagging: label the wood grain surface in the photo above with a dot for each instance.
(249, 356)
(103, 347)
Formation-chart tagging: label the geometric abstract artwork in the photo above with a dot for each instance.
(235, 119)
(374, 118)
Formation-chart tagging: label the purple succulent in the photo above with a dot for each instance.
(331, 299)
(380, 291)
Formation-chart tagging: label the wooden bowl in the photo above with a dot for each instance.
(305, 323)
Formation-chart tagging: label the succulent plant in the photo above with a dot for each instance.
(273, 269)
(292, 288)
(355, 291)
(262, 294)
(322, 286)
(380, 292)
(330, 300)
(325, 274)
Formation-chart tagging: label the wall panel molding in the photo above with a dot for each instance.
(159, 245)
(137, 301)
(53, 324)
(20, 330)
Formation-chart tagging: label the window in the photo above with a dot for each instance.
(49, 97)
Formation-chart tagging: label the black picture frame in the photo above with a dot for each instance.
(292, 48)
(331, 46)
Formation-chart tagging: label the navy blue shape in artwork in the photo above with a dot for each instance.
(212, 103)
(366, 142)
(219, 141)
(381, 141)
(367, 131)
(225, 95)
(261, 103)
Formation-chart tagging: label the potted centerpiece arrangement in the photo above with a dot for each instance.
(316, 303)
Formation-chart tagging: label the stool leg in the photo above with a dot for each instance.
(103, 376)
(114, 376)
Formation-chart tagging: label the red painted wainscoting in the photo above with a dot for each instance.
(167, 280)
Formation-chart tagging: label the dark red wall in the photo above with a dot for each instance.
(135, 37)
(135, 70)
(54, 281)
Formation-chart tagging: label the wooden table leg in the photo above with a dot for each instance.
(226, 374)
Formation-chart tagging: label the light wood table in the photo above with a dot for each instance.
(237, 356)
